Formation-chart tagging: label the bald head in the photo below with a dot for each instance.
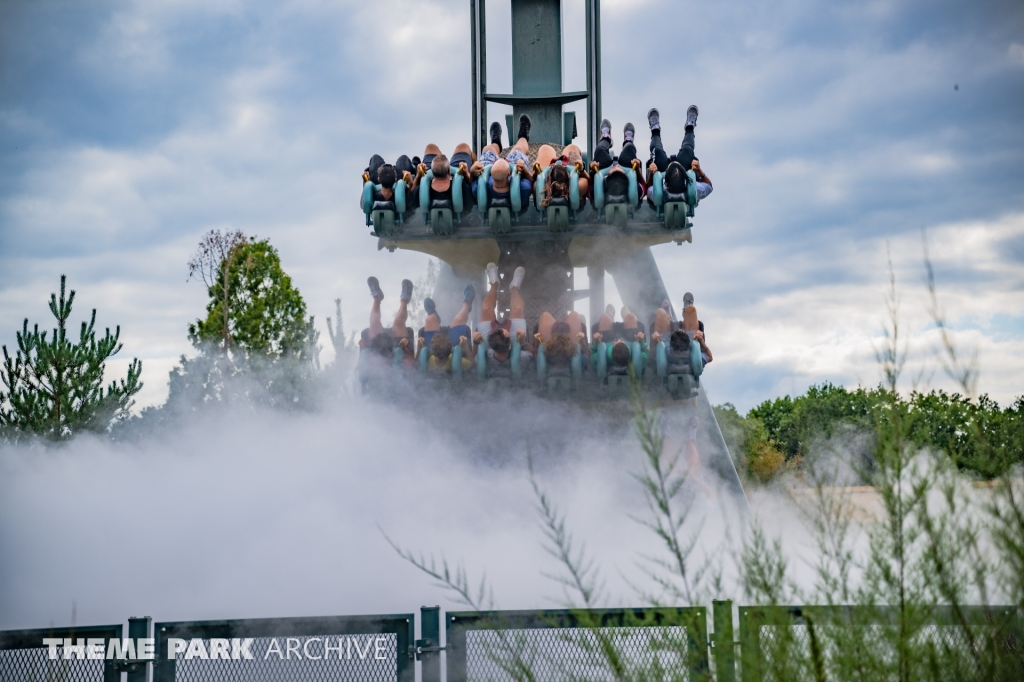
(500, 172)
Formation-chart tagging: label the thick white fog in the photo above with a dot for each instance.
(260, 514)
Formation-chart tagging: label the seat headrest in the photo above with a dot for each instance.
(669, 196)
(383, 206)
(501, 202)
(559, 201)
(440, 203)
(618, 370)
(615, 199)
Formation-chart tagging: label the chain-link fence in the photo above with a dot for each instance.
(836, 643)
(578, 645)
(342, 649)
(26, 657)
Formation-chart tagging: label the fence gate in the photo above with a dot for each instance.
(569, 644)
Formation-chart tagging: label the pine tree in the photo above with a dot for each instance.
(54, 388)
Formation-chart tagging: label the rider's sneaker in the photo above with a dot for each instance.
(469, 293)
(428, 305)
(609, 310)
(406, 291)
(628, 133)
(496, 133)
(517, 277)
(624, 311)
(691, 116)
(375, 288)
(606, 129)
(654, 120)
(687, 299)
(524, 126)
(492, 273)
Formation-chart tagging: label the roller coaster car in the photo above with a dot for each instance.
(560, 210)
(674, 209)
(383, 214)
(616, 209)
(682, 379)
(442, 214)
(500, 211)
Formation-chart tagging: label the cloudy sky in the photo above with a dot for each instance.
(833, 132)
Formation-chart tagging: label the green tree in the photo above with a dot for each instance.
(54, 387)
(253, 308)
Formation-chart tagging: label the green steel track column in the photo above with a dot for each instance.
(593, 73)
(429, 643)
(139, 628)
(595, 274)
(537, 65)
(725, 648)
(478, 70)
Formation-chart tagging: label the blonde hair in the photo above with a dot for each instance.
(560, 349)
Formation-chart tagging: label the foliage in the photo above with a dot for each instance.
(54, 387)
(947, 422)
(765, 460)
(253, 308)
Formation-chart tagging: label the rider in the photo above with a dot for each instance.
(458, 327)
(518, 156)
(381, 340)
(497, 334)
(675, 167)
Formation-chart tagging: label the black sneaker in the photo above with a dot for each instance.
(469, 293)
(606, 129)
(691, 116)
(375, 288)
(524, 126)
(406, 290)
(496, 133)
(654, 120)
(628, 133)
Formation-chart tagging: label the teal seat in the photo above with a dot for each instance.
(615, 213)
(559, 213)
(515, 364)
(674, 209)
(442, 221)
(383, 220)
(568, 381)
(500, 218)
(680, 384)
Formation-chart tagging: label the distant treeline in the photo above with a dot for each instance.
(781, 434)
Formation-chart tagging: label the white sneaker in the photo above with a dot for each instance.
(609, 310)
(517, 277)
(624, 311)
(492, 273)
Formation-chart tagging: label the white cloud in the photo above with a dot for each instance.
(1016, 52)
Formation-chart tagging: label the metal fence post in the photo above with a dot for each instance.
(139, 629)
(428, 647)
(725, 649)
